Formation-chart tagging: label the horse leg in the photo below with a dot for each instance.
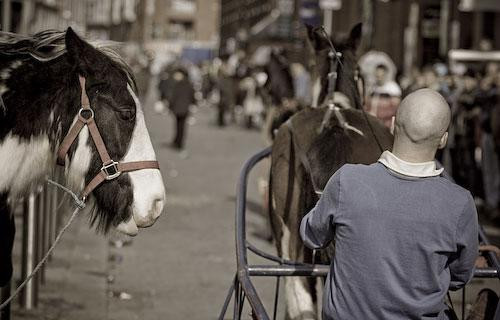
(7, 231)
(299, 293)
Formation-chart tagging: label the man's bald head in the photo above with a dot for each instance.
(422, 118)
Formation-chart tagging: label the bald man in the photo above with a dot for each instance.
(404, 234)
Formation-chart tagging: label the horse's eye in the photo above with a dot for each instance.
(127, 115)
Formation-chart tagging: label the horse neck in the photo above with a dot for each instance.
(350, 90)
(39, 105)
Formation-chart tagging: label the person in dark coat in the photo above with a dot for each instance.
(178, 91)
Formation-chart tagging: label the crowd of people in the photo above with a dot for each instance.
(471, 157)
(473, 94)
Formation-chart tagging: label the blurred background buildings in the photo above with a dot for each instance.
(179, 25)
(413, 33)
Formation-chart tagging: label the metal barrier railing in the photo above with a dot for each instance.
(40, 224)
(242, 288)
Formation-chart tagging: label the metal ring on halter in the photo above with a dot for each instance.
(86, 109)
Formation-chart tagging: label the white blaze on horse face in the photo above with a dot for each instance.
(147, 184)
(24, 162)
(77, 168)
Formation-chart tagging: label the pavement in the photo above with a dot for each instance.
(180, 268)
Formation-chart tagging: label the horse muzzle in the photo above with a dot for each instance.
(149, 200)
(136, 221)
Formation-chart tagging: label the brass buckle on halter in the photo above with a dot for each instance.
(111, 170)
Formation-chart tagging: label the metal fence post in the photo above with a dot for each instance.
(42, 231)
(47, 212)
(29, 250)
(54, 192)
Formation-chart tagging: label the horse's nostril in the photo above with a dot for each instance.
(147, 217)
(157, 208)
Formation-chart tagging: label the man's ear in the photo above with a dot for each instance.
(355, 37)
(443, 141)
(82, 55)
(316, 38)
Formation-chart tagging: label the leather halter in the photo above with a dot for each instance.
(110, 169)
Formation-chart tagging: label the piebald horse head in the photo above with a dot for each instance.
(41, 99)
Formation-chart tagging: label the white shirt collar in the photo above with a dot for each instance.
(411, 169)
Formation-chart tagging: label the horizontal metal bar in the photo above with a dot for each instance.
(486, 273)
(318, 270)
(321, 270)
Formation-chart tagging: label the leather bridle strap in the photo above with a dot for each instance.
(110, 168)
(82, 120)
(122, 167)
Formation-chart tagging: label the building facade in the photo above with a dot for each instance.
(411, 32)
(250, 23)
(30, 16)
(416, 33)
(187, 20)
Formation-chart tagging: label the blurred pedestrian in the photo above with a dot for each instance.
(227, 90)
(302, 84)
(178, 91)
(384, 97)
(466, 121)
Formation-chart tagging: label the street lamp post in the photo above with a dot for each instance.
(328, 6)
(6, 15)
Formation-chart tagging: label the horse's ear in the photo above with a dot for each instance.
(355, 36)
(81, 54)
(316, 38)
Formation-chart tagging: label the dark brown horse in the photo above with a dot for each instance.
(304, 157)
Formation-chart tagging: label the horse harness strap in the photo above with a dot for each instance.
(110, 169)
(302, 156)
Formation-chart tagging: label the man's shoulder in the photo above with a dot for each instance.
(359, 169)
(358, 172)
(377, 169)
(454, 190)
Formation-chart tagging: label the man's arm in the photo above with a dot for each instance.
(317, 227)
(462, 264)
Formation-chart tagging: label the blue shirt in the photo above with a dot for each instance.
(401, 242)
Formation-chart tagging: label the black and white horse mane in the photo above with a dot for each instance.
(48, 45)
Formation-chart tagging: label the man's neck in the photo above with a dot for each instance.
(413, 154)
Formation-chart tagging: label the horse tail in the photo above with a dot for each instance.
(277, 218)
